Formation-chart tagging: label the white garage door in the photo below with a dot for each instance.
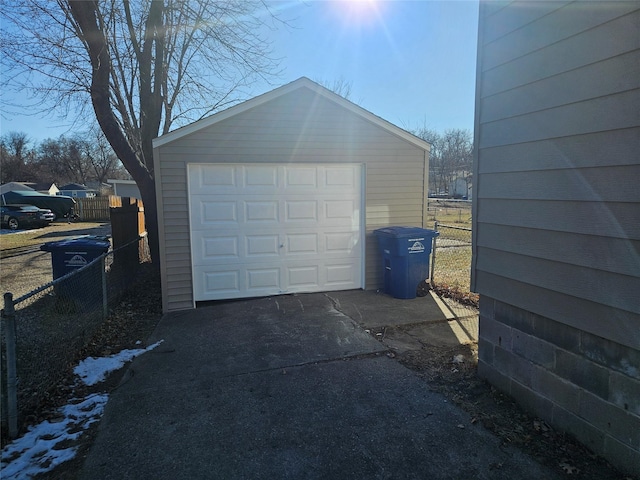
(259, 230)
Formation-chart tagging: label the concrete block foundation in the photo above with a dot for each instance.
(582, 384)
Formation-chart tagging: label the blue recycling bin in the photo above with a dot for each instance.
(72, 254)
(405, 258)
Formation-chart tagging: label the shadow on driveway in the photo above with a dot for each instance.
(290, 387)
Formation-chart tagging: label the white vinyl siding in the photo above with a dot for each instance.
(556, 218)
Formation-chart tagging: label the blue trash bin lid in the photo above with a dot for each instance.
(405, 232)
(85, 243)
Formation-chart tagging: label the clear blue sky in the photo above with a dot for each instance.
(409, 62)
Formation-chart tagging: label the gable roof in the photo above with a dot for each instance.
(13, 186)
(43, 186)
(73, 186)
(302, 82)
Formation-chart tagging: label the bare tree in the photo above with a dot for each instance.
(15, 155)
(457, 155)
(103, 161)
(50, 164)
(450, 158)
(340, 86)
(79, 159)
(144, 66)
(75, 160)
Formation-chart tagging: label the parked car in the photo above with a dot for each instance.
(48, 215)
(60, 205)
(15, 217)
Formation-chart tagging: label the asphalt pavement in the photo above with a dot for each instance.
(292, 387)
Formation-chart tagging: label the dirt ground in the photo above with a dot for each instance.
(450, 370)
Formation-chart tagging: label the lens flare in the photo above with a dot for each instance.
(357, 11)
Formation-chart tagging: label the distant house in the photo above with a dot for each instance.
(125, 188)
(460, 188)
(556, 247)
(76, 190)
(46, 188)
(15, 186)
(101, 189)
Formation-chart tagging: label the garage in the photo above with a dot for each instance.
(262, 230)
(280, 194)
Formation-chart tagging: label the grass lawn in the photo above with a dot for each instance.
(55, 231)
(452, 265)
(459, 217)
(23, 238)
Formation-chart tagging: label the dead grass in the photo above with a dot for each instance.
(55, 231)
(450, 214)
(452, 371)
(452, 268)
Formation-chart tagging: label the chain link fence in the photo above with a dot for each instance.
(43, 332)
(451, 269)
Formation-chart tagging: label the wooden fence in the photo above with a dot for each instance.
(97, 209)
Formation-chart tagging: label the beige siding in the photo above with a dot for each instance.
(557, 223)
(299, 127)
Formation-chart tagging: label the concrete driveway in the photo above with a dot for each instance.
(291, 387)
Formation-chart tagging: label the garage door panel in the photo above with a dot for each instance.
(302, 243)
(341, 177)
(217, 283)
(301, 210)
(260, 246)
(265, 179)
(214, 248)
(213, 212)
(261, 211)
(266, 279)
(270, 229)
(340, 274)
(261, 278)
(202, 178)
(209, 211)
(340, 209)
(228, 247)
(305, 177)
(260, 176)
(342, 242)
(303, 277)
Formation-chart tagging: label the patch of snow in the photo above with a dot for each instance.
(94, 370)
(6, 231)
(40, 450)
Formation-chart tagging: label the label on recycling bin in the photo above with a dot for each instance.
(417, 247)
(76, 261)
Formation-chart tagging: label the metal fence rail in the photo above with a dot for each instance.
(43, 332)
(451, 269)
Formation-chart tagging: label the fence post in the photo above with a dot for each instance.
(9, 315)
(105, 300)
(433, 253)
